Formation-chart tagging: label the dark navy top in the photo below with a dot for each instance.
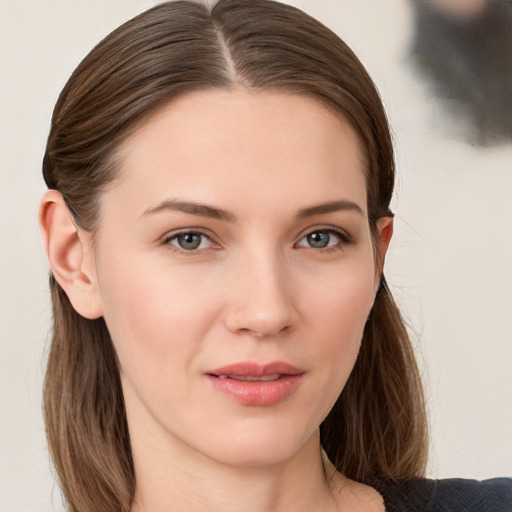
(450, 495)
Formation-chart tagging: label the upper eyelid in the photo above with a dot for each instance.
(172, 235)
(197, 231)
(343, 233)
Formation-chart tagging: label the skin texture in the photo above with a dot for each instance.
(255, 289)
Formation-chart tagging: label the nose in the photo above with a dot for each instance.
(262, 300)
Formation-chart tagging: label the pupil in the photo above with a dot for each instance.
(318, 239)
(189, 241)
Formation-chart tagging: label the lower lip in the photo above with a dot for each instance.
(257, 393)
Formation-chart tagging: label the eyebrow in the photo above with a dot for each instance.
(201, 210)
(330, 207)
(212, 212)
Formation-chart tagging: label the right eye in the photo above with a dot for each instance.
(189, 241)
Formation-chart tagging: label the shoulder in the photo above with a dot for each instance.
(450, 495)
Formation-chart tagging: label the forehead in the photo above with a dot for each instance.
(272, 144)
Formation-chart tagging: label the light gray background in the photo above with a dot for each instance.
(449, 265)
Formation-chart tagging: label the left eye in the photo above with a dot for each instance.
(321, 239)
(189, 241)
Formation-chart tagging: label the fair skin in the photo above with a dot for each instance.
(236, 233)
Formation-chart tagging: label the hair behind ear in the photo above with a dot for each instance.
(378, 426)
(83, 400)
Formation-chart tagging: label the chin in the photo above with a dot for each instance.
(259, 445)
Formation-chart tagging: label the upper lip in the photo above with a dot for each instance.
(252, 369)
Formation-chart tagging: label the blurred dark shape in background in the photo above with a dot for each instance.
(464, 49)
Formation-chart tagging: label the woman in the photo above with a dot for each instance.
(216, 223)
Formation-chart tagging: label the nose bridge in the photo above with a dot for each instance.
(263, 302)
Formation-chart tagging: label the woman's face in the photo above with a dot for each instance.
(235, 271)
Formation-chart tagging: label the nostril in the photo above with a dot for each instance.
(263, 330)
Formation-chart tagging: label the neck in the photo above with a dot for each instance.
(180, 479)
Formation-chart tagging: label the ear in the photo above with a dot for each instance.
(384, 234)
(70, 255)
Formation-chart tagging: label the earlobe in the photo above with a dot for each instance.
(69, 255)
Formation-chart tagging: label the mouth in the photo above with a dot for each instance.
(256, 385)
(251, 378)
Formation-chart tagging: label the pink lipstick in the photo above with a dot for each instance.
(254, 384)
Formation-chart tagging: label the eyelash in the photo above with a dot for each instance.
(343, 236)
(344, 239)
(174, 236)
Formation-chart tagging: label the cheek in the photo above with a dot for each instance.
(343, 302)
(155, 317)
(158, 323)
(340, 315)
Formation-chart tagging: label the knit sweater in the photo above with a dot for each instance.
(450, 495)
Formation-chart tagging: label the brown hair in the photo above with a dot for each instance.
(377, 427)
